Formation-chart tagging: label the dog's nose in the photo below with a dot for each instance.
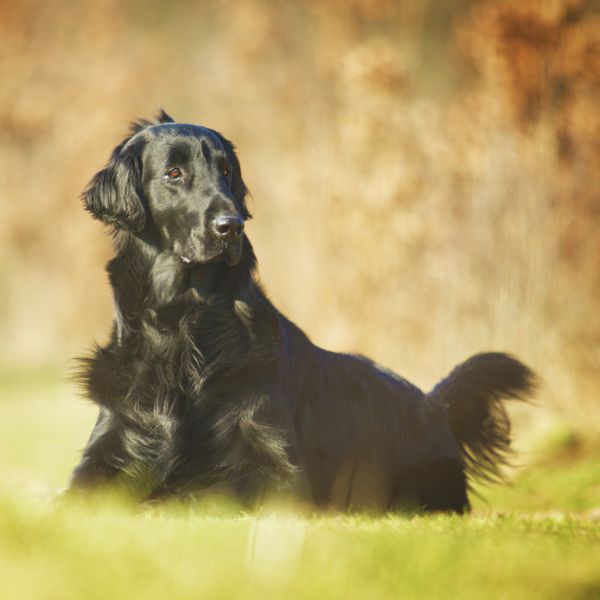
(228, 227)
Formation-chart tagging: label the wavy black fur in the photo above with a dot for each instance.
(206, 387)
(473, 395)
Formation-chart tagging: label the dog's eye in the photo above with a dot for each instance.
(174, 173)
(225, 171)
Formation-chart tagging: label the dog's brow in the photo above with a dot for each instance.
(206, 151)
(179, 153)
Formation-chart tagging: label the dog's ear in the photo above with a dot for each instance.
(163, 117)
(238, 187)
(141, 124)
(115, 195)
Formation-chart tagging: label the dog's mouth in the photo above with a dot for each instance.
(199, 248)
(231, 256)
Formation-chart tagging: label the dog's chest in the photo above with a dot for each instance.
(199, 385)
(186, 369)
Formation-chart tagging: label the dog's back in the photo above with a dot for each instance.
(371, 439)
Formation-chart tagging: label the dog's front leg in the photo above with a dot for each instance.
(102, 456)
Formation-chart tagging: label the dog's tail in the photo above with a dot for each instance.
(473, 395)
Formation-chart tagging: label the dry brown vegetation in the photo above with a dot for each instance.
(425, 175)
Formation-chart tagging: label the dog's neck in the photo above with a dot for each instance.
(146, 278)
(221, 307)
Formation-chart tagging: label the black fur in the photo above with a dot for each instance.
(205, 386)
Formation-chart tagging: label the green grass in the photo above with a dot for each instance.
(531, 540)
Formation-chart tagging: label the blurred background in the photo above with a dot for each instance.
(425, 175)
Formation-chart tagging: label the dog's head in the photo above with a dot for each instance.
(180, 182)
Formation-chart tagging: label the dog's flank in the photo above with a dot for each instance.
(204, 386)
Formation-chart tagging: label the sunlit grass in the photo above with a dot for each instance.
(532, 540)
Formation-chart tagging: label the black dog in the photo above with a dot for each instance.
(205, 386)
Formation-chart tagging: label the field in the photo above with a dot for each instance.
(425, 185)
(538, 538)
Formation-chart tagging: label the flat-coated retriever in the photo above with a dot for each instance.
(205, 386)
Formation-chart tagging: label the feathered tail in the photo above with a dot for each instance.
(473, 395)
